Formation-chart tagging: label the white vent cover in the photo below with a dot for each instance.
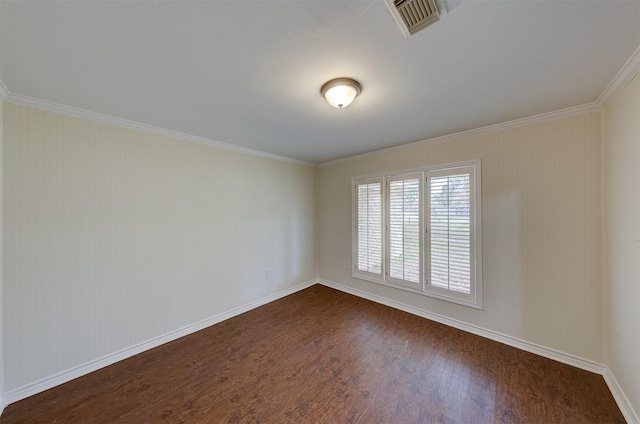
(414, 15)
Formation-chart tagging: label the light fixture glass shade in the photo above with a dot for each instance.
(340, 92)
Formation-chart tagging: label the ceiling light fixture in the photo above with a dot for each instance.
(340, 92)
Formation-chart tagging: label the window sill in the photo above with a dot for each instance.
(450, 299)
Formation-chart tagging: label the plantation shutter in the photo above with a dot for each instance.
(369, 226)
(404, 229)
(451, 230)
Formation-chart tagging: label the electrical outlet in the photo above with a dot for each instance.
(267, 272)
(617, 336)
(349, 266)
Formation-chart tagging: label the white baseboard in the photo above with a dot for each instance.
(621, 399)
(489, 334)
(585, 364)
(86, 368)
(47, 383)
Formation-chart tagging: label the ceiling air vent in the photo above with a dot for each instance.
(416, 15)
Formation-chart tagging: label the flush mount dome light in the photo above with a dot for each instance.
(340, 92)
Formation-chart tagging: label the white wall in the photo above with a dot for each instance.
(114, 237)
(541, 231)
(622, 239)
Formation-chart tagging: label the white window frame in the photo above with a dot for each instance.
(388, 180)
(472, 299)
(442, 292)
(370, 276)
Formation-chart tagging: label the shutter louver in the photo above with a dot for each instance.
(404, 229)
(370, 228)
(450, 232)
(420, 231)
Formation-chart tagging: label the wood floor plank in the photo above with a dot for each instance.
(323, 356)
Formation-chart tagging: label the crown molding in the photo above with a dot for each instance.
(516, 123)
(629, 70)
(151, 129)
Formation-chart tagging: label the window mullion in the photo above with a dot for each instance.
(422, 232)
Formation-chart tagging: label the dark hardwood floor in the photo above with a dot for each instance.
(323, 356)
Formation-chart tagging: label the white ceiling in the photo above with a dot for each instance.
(248, 73)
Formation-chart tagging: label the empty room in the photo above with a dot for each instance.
(314, 211)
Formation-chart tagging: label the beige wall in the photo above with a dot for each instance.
(114, 237)
(622, 239)
(541, 230)
(1, 255)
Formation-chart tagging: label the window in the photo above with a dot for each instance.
(451, 232)
(404, 227)
(369, 224)
(419, 231)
